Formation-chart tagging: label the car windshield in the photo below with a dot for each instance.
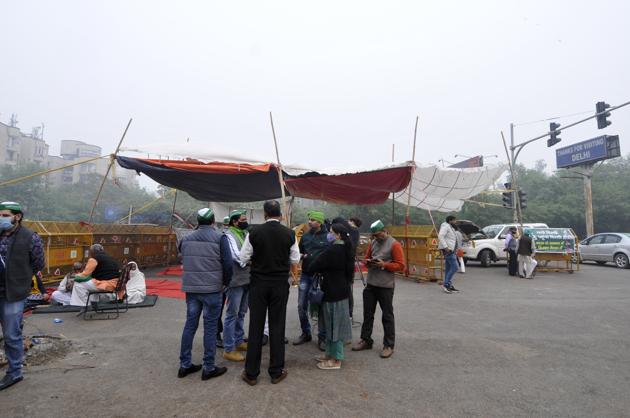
(492, 231)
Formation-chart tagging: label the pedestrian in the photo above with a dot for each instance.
(511, 247)
(526, 253)
(384, 257)
(461, 266)
(21, 257)
(207, 265)
(237, 292)
(271, 248)
(336, 266)
(447, 244)
(312, 244)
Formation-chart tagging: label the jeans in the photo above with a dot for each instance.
(210, 305)
(451, 267)
(11, 319)
(234, 322)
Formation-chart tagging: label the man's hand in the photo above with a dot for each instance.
(379, 264)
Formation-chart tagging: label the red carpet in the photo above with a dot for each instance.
(171, 271)
(165, 288)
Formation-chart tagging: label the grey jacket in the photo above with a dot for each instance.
(207, 261)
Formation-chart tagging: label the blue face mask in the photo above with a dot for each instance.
(330, 237)
(5, 223)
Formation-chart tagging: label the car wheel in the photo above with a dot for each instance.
(601, 263)
(485, 257)
(621, 261)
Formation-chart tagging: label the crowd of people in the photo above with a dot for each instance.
(251, 267)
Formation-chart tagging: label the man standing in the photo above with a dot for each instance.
(207, 265)
(237, 291)
(511, 247)
(384, 257)
(22, 256)
(526, 251)
(447, 244)
(272, 248)
(312, 244)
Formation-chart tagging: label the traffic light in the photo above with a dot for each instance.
(601, 107)
(522, 198)
(507, 197)
(553, 134)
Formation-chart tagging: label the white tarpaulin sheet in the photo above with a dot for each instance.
(446, 189)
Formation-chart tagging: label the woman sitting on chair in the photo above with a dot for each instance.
(101, 273)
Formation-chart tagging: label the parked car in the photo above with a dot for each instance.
(487, 245)
(608, 247)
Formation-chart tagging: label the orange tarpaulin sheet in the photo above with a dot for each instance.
(212, 167)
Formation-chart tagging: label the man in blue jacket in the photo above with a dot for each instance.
(207, 263)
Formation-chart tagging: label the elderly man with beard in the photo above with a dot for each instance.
(384, 257)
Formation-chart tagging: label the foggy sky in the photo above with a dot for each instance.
(345, 80)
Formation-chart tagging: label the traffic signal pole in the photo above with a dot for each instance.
(515, 150)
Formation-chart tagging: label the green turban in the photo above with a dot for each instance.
(316, 216)
(12, 206)
(226, 220)
(377, 226)
(204, 214)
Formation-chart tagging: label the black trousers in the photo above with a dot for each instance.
(351, 298)
(385, 298)
(266, 296)
(512, 262)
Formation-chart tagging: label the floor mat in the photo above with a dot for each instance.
(149, 300)
(165, 288)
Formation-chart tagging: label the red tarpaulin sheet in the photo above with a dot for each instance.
(165, 288)
(365, 188)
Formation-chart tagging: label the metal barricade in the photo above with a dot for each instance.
(420, 244)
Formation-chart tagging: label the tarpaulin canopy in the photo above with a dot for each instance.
(446, 189)
(241, 182)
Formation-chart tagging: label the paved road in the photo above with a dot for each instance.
(558, 345)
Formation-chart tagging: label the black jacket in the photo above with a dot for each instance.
(337, 269)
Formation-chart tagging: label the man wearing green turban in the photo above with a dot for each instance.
(312, 244)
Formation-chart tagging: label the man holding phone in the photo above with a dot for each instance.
(448, 245)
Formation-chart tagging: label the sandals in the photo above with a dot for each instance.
(329, 365)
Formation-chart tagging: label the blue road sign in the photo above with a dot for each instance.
(589, 151)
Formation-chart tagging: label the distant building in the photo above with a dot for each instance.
(19, 148)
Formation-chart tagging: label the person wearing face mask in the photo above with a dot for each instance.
(22, 254)
(237, 291)
(384, 257)
(312, 244)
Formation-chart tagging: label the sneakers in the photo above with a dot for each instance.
(185, 371)
(304, 338)
(218, 371)
(330, 364)
(446, 289)
(241, 347)
(362, 345)
(387, 352)
(234, 355)
(452, 289)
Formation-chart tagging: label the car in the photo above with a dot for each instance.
(606, 248)
(487, 245)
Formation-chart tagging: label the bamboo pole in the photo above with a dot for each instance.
(279, 168)
(43, 173)
(109, 167)
(407, 217)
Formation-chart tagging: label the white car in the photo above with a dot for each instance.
(487, 246)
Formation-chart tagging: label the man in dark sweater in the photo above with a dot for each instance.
(271, 248)
(207, 262)
(312, 244)
(21, 256)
